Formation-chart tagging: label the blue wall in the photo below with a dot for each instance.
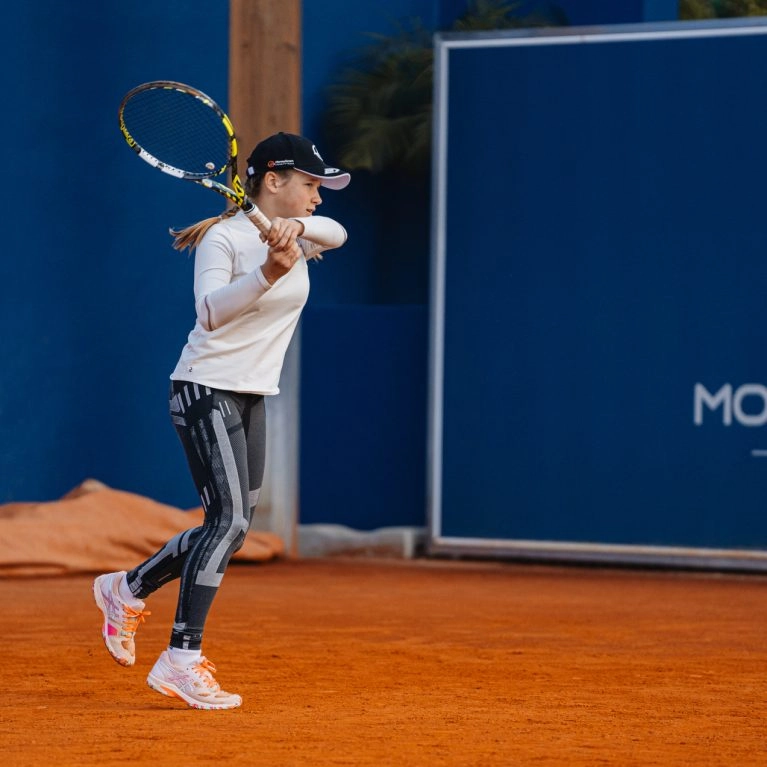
(98, 304)
(384, 262)
(363, 400)
(376, 471)
(604, 368)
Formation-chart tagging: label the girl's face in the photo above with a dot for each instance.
(297, 195)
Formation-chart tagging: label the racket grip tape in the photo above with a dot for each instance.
(256, 216)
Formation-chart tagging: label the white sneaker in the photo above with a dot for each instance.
(194, 684)
(120, 619)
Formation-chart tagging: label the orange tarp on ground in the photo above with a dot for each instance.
(97, 529)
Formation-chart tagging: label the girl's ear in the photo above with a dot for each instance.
(272, 181)
(269, 181)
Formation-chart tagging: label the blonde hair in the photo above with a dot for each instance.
(191, 236)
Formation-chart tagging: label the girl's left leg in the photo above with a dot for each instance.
(224, 437)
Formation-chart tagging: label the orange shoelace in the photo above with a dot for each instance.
(131, 620)
(205, 670)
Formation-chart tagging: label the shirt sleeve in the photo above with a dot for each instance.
(217, 299)
(320, 233)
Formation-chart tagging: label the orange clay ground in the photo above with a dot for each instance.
(369, 662)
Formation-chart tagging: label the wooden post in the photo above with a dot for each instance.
(264, 98)
(264, 69)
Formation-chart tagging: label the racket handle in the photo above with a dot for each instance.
(256, 216)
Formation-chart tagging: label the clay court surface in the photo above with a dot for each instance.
(423, 662)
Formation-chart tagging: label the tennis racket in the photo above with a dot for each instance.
(184, 133)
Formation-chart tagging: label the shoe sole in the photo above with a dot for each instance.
(125, 663)
(173, 692)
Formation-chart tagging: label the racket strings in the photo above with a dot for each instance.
(179, 129)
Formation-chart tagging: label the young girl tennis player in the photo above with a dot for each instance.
(249, 295)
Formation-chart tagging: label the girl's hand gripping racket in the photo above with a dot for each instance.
(184, 133)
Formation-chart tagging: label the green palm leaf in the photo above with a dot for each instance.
(379, 112)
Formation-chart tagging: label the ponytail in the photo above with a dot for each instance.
(191, 236)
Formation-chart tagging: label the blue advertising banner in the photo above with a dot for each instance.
(598, 329)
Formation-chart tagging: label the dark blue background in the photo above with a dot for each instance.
(605, 251)
(97, 305)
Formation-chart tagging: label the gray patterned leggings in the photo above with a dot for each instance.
(224, 437)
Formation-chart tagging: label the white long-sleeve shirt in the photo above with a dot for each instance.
(243, 324)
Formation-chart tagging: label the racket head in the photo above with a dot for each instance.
(179, 130)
